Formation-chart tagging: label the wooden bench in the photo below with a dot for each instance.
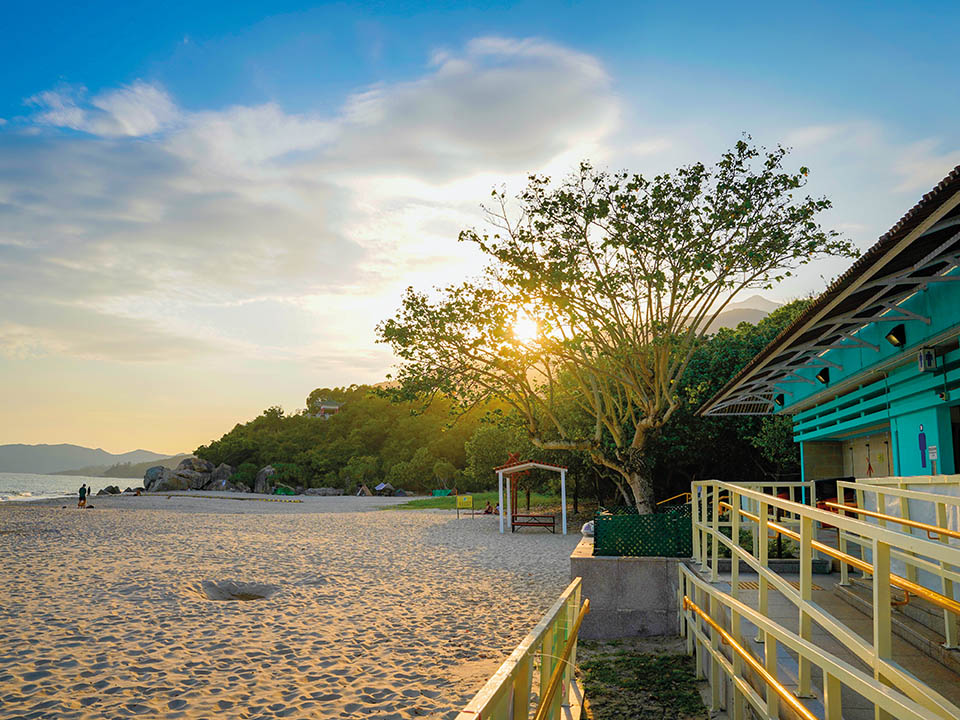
(544, 521)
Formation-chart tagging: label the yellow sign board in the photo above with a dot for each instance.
(464, 501)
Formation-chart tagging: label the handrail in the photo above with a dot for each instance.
(935, 598)
(754, 664)
(935, 529)
(510, 685)
(683, 494)
(543, 708)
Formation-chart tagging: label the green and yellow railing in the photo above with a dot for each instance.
(711, 619)
(552, 646)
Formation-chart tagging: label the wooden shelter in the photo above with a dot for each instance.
(510, 471)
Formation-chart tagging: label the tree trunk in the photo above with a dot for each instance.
(642, 487)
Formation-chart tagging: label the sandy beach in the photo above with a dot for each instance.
(367, 613)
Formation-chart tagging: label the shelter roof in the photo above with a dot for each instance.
(918, 250)
(512, 468)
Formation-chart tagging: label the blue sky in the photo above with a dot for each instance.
(220, 200)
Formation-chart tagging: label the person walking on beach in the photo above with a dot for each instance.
(83, 496)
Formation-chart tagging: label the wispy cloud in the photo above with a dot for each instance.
(148, 215)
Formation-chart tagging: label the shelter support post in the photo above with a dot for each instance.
(500, 502)
(563, 499)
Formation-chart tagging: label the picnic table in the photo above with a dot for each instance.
(528, 520)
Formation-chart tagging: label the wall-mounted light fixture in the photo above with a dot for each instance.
(824, 375)
(897, 336)
(779, 399)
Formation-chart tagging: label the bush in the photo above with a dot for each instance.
(246, 474)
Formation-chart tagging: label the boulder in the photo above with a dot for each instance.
(222, 472)
(110, 490)
(196, 465)
(264, 483)
(155, 476)
(192, 479)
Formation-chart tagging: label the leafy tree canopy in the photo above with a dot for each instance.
(598, 292)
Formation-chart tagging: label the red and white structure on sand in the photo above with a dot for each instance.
(523, 466)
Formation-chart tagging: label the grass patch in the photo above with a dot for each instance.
(623, 684)
(479, 502)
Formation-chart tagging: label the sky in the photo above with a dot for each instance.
(206, 208)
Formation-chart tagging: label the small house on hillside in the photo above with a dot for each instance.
(325, 408)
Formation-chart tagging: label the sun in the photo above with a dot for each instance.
(525, 329)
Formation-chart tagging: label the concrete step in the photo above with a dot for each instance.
(916, 623)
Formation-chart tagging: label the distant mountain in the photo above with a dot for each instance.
(126, 470)
(51, 459)
(752, 310)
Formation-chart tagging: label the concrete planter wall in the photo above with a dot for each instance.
(629, 596)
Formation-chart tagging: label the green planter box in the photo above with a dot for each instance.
(665, 534)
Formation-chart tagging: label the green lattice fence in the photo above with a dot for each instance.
(663, 534)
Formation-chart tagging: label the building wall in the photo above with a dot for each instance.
(822, 460)
(876, 448)
(903, 399)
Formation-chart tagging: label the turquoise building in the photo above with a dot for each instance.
(871, 371)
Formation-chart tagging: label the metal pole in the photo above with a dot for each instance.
(563, 498)
(500, 502)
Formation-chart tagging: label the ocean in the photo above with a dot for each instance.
(27, 486)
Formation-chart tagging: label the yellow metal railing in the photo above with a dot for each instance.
(552, 644)
(556, 679)
(894, 692)
(685, 495)
(768, 678)
(917, 509)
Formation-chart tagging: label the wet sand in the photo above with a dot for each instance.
(347, 611)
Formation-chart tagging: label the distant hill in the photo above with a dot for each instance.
(752, 310)
(126, 470)
(51, 459)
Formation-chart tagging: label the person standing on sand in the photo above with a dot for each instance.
(83, 496)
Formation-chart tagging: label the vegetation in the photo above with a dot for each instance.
(126, 470)
(480, 500)
(598, 296)
(373, 439)
(622, 684)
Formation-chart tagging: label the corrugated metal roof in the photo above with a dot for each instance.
(879, 256)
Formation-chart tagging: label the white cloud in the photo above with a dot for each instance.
(132, 111)
(212, 225)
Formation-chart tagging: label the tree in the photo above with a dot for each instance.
(443, 472)
(598, 291)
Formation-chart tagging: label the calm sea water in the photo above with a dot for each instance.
(27, 486)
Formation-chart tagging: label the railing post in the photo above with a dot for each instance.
(573, 608)
(911, 573)
(806, 596)
(695, 522)
(522, 680)
(548, 657)
(715, 529)
(698, 622)
(950, 629)
(715, 674)
(764, 556)
(882, 639)
(703, 531)
(734, 555)
(831, 698)
(770, 663)
(739, 707)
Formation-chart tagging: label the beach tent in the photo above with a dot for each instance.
(384, 488)
(364, 490)
(523, 466)
(441, 493)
